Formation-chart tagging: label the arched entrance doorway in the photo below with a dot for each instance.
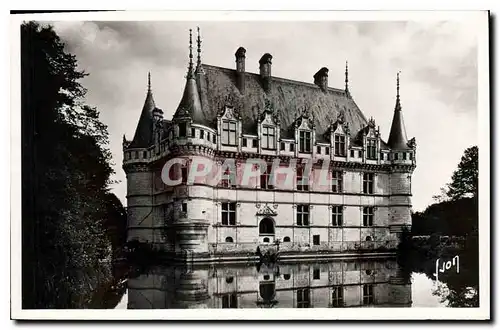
(266, 231)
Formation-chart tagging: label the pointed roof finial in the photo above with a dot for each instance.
(149, 81)
(398, 103)
(199, 46)
(397, 83)
(190, 67)
(346, 78)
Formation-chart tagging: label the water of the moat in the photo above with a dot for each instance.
(330, 284)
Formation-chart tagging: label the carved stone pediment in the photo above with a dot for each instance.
(267, 211)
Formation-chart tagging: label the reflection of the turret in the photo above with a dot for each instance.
(346, 283)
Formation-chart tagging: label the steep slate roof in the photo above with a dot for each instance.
(289, 96)
(143, 136)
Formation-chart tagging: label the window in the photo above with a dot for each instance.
(368, 183)
(318, 150)
(368, 238)
(144, 154)
(327, 150)
(304, 141)
(292, 147)
(282, 146)
(337, 181)
(338, 296)
(254, 143)
(229, 279)
(208, 136)
(339, 145)
(316, 274)
(229, 132)
(229, 239)
(266, 277)
(230, 300)
(213, 138)
(184, 175)
(395, 156)
(352, 153)
(302, 182)
(268, 137)
(337, 215)
(410, 156)
(193, 132)
(368, 294)
(184, 207)
(315, 239)
(303, 298)
(381, 156)
(228, 179)
(244, 142)
(136, 154)
(302, 215)
(202, 134)
(266, 227)
(286, 239)
(182, 129)
(266, 239)
(371, 149)
(286, 276)
(265, 182)
(360, 154)
(368, 216)
(404, 155)
(229, 214)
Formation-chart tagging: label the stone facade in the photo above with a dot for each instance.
(235, 115)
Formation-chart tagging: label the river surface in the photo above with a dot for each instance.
(332, 284)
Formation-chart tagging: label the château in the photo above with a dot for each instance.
(232, 114)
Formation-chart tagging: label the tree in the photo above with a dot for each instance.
(465, 179)
(66, 168)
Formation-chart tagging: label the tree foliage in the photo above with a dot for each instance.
(65, 176)
(464, 182)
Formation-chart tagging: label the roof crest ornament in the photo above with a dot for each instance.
(347, 79)
(149, 82)
(199, 68)
(190, 67)
(398, 101)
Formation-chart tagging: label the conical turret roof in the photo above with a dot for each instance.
(397, 136)
(143, 136)
(190, 105)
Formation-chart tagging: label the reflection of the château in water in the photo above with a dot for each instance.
(343, 283)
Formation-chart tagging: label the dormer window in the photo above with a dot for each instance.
(305, 141)
(268, 137)
(228, 132)
(371, 149)
(339, 145)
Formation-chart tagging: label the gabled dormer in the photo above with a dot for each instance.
(370, 138)
(268, 128)
(304, 133)
(339, 136)
(228, 127)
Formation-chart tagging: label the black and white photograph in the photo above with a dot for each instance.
(250, 165)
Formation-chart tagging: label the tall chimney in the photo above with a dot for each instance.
(321, 78)
(265, 70)
(240, 68)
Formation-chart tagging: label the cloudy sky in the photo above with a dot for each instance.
(437, 59)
